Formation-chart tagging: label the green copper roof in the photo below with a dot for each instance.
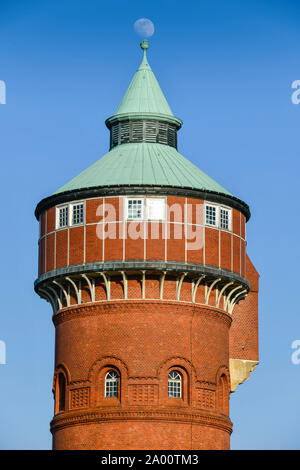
(144, 94)
(143, 164)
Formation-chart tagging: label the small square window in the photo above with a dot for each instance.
(218, 217)
(135, 208)
(77, 217)
(211, 215)
(63, 215)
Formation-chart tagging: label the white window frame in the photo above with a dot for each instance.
(218, 216)
(229, 210)
(163, 199)
(70, 215)
(216, 225)
(58, 209)
(109, 380)
(71, 210)
(133, 198)
(177, 384)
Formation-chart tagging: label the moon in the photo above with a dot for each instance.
(144, 27)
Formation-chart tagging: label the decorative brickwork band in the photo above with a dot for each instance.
(203, 418)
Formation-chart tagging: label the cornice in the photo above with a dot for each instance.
(120, 190)
(155, 266)
(143, 116)
(94, 309)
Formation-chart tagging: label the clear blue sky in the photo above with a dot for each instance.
(226, 69)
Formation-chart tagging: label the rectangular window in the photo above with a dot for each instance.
(135, 208)
(174, 389)
(211, 215)
(69, 214)
(111, 384)
(77, 214)
(224, 218)
(63, 215)
(217, 216)
(155, 208)
(111, 389)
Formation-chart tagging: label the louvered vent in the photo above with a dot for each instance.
(115, 135)
(144, 131)
(124, 132)
(150, 131)
(172, 136)
(137, 131)
(163, 133)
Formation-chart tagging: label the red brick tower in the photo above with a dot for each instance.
(143, 260)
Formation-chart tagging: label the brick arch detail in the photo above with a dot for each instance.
(222, 394)
(61, 367)
(96, 380)
(177, 361)
(223, 370)
(105, 362)
(187, 370)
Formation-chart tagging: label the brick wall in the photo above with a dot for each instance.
(171, 240)
(143, 341)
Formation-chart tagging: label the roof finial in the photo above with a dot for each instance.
(144, 44)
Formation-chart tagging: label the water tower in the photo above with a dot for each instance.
(142, 257)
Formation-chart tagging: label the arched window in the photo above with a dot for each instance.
(112, 384)
(175, 384)
(61, 392)
(223, 394)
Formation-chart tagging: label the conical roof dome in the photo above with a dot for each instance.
(143, 164)
(144, 98)
(144, 94)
